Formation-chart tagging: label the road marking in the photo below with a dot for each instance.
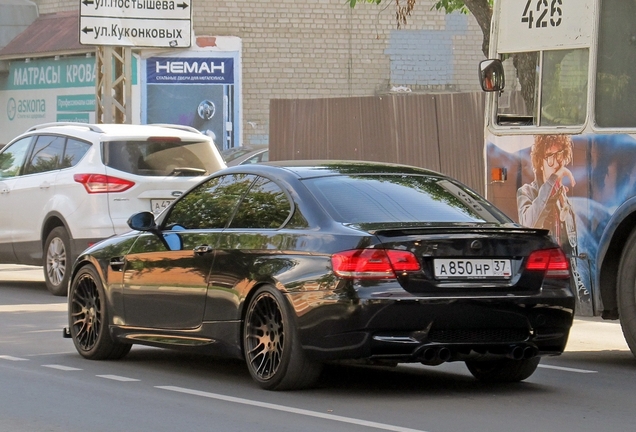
(117, 378)
(46, 331)
(284, 408)
(53, 307)
(7, 357)
(567, 369)
(61, 367)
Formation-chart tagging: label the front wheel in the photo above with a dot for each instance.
(627, 292)
(57, 261)
(504, 370)
(88, 318)
(271, 345)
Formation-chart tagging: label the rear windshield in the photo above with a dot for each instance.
(162, 158)
(400, 198)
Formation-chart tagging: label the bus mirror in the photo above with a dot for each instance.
(491, 75)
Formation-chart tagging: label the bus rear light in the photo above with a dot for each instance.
(498, 175)
(373, 263)
(551, 261)
(100, 183)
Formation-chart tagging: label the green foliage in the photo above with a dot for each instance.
(450, 6)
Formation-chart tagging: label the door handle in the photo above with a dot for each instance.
(45, 185)
(202, 249)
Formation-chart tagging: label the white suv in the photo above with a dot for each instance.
(65, 186)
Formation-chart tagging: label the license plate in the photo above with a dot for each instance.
(472, 268)
(157, 206)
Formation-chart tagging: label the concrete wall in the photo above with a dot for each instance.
(297, 49)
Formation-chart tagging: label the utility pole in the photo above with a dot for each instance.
(113, 85)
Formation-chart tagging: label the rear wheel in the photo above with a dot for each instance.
(271, 345)
(627, 292)
(88, 318)
(504, 370)
(57, 260)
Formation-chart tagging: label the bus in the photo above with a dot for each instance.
(560, 138)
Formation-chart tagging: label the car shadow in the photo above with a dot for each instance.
(337, 378)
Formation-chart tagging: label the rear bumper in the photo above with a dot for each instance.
(422, 330)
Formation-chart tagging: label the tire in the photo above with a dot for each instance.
(271, 346)
(88, 318)
(504, 370)
(626, 295)
(57, 261)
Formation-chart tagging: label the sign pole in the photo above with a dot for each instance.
(113, 85)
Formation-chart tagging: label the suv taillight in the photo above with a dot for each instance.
(551, 261)
(100, 183)
(373, 263)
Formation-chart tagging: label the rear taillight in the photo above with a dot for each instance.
(100, 183)
(551, 261)
(373, 263)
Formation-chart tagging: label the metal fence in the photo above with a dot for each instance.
(442, 132)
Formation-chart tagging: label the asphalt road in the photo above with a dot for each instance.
(47, 386)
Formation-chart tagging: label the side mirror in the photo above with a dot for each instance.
(144, 221)
(491, 75)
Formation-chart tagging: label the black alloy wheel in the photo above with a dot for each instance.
(88, 318)
(271, 345)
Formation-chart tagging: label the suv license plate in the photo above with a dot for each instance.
(157, 206)
(472, 268)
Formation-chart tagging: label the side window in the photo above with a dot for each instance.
(564, 87)
(516, 106)
(46, 155)
(544, 88)
(74, 151)
(616, 65)
(12, 158)
(211, 204)
(264, 206)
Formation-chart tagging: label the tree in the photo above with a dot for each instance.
(524, 63)
(481, 10)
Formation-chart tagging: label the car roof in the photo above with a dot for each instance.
(110, 131)
(320, 168)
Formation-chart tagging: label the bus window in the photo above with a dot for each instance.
(558, 76)
(516, 105)
(616, 65)
(564, 87)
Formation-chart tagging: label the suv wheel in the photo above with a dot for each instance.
(57, 261)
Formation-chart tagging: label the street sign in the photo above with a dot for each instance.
(136, 23)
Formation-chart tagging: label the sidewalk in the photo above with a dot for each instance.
(22, 273)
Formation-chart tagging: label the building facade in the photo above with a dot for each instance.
(298, 49)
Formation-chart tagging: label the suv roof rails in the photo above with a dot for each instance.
(176, 126)
(91, 127)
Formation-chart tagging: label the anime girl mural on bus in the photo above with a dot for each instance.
(544, 202)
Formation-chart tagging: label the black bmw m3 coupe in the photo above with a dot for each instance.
(289, 265)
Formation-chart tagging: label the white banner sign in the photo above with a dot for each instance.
(532, 25)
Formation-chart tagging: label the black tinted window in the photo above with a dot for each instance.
(47, 154)
(211, 204)
(156, 157)
(74, 151)
(264, 206)
(400, 198)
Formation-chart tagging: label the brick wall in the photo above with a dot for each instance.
(300, 49)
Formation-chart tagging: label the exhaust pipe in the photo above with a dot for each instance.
(434, 356)
(444, 354)
(518, 352)
(529, 352)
